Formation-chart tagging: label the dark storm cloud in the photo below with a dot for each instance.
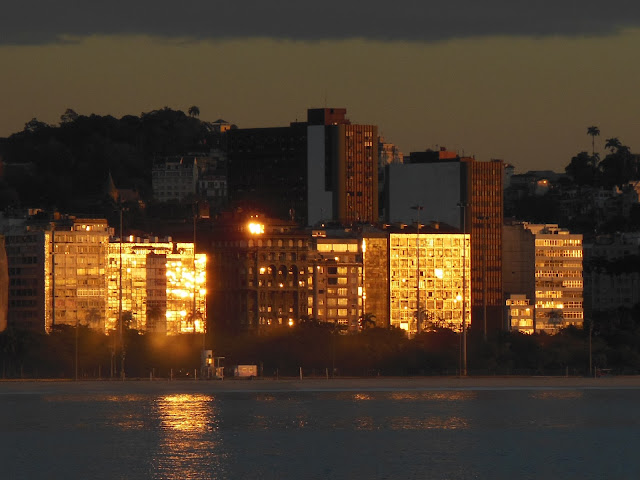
(47, 21)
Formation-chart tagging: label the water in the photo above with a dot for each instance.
(274, 430)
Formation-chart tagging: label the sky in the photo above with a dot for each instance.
(515, 80)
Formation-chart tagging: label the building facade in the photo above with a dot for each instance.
(335, 281)
(174, 179)
(556, 263)
(57, 273)
(466, 194)
(258, 272)
(430, 280)
(71, 271)
(156, 286)
(321, 170)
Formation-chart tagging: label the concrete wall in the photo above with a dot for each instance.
(319, 201)
(435, 186)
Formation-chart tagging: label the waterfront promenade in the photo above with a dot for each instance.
(317, 384)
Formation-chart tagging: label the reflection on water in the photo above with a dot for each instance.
(185, 412)
(181, 431)
(96, 398)
(364, 423)
(446, 396)
(188, 446)
(557, 395)
(431, 423)
(359, 397)
(265, 397)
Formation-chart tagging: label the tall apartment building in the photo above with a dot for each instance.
(57, 273)
(466, 194)
(68, 272)
(324, 169)
(267, 170)
(335, 280)
(345, 156)
(258, 272)
(430, 278)
(157, 286)
(556, 257)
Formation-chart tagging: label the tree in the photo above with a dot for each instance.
(194, 111)
(69, 116)
(613, 144)
(34, 125)
(583, 168)
(620, 166)
(367, 320)
(594, 132)
(556, 318)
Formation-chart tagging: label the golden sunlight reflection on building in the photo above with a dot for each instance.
(163, 287)
(189, 445)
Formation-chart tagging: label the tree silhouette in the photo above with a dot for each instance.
(69, 116)
(613, 144)
(583, 168)
(620, 166)
(194, 111)
(594, 132)
(34, 125)
(367, 320)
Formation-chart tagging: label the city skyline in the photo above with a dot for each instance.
(494, 81)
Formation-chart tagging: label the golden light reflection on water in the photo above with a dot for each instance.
(557, 395)
(364, 423)
(444, 396)
(265, 397)
(185, 412)
(189, 446)
(359, 397)
(430, 423)
(95, 398)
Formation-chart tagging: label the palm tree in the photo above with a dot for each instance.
(594, 132)
(367, 320)
(613, 144)
(194, 111)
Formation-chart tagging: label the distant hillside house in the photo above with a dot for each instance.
(174, 179)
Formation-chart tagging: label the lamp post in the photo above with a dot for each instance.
(418, 207)
(463, 367)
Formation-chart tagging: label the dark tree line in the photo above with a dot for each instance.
(67, 165)
(615, 344)
(618, 167)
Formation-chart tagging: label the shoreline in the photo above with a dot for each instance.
(294, 384)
